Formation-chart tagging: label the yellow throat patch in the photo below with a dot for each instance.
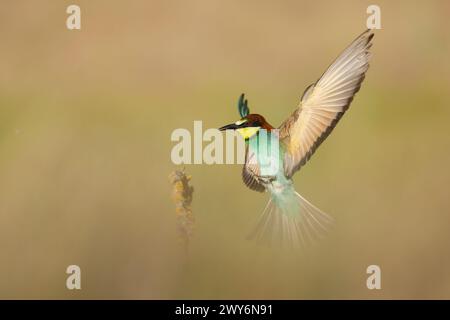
(248, 132)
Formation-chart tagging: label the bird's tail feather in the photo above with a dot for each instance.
(290, 220)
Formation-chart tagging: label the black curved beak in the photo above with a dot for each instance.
(232, 126)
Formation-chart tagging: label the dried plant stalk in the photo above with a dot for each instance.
(182, 197)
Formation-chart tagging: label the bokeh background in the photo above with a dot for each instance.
(85, 124)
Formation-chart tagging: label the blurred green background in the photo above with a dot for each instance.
(85, 124)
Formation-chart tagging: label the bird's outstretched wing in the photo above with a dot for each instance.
(323, 104)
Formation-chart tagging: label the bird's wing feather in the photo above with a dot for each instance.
(323, 104)
(251, 172)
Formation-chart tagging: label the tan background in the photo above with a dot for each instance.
(85, 123)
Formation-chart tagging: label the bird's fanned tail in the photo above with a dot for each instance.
(290, 220)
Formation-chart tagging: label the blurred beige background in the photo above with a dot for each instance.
(85, 124)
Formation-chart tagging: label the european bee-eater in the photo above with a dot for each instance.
(288, 216)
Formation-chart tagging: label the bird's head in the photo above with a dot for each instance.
(249, 124)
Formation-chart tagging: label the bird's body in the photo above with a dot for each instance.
(288, 217)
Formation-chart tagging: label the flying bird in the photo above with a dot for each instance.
(288, 217)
